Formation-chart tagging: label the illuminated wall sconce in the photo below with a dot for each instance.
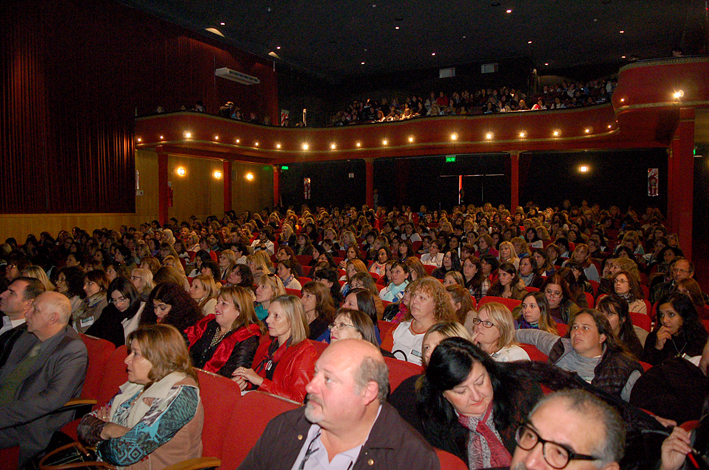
(139, 139)
(305, 146)
(250, 176)
(522, 135)
(454, 136)
(556, 133)
(678, 94)
(188, 135)
(162, 138)
(218, 174)
(278, 146)
(181, 171)
(488, 136)
(359, 144)
(256, 144)
(385, 142)
(411, 139)
(583, 169)
(333, 146)
(216, 137)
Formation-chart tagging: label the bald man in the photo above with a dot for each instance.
(346, 424)
(44, 370)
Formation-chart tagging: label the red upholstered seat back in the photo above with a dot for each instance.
(99, 351)
(114, 375)
(247, 422)
(450, 461)
(400, 371)
(509, 303)
(219, 397)
(534, 353)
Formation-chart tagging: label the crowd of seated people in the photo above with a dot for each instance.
(604, 295)
(483, 101)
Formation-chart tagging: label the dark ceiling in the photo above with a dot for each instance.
(336, 39)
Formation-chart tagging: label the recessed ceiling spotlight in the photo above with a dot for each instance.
(222, 23)
(278, 47)
(361, 63)
(546, 63)
(509, 11)
(529, 42)
(622, 57)
(396, 27)
(622, 32)
(465, 37)
(433, 53)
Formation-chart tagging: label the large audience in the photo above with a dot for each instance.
(494, 305)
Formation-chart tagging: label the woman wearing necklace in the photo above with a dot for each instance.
(286, 271)
(678, 332)
(285, 363)
(430, 303)
(227, 339)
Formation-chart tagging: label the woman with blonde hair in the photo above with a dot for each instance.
(170, 261)
(430, 303)
(508, 254)
(495, 333)
(354, 266)
(204, 291)
(227, 339)
(521, 248)
(285, 362)
(156, 418)
(268, 286)
(38, 273)
(227, 261)
(257, 265)
(142, 279)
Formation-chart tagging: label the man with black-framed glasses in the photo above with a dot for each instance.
(571, 429)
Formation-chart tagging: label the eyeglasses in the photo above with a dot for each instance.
(556, 455)
(485, 323)
(680, 271)
(621, 281)
(553, 294)
(340, 326)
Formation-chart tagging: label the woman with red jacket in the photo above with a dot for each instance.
(285, 363)
(228, 339)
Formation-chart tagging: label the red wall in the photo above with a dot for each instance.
(74, 74)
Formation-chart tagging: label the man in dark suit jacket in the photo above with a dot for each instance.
(44, 370)
(15, 302)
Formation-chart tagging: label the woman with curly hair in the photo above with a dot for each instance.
(430, 303)
(242, 276)
(170, 304)
(678, 332)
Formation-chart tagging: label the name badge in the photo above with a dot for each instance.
(86, 321)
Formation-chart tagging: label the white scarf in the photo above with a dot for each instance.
(158, 390)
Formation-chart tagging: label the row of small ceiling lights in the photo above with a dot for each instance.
(333, 146)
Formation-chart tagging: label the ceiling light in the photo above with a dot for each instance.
(278, 146)
(222, 23)
(622, 32)
(588, 130)
(333, 146)
(622, 100)
(488, 136)
(622, 57)
(583, 169)
(278, 48)
(454, 136)
(396, 27)
(385, 142)
(188, 134)
(218, 174)
(556, 133)
(362, 63)
(465, 37)
(181, 171)
(161, 138)
(237, 141)
(529, 42)
(523, 134)
(546, 63)
(256, 144)
(609, 126)
(509, 11)
(215, 31)
(216, 137)
(305, 146)
(677, 95)
(411, 139)
(433, 53)
(359, 144)
(250, 176)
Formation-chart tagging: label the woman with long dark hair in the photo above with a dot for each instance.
(120, 318)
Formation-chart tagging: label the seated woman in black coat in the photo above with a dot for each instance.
(228, 339)
(120, 317)
(466, 401)
(678, 332)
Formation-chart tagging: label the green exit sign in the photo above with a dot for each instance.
(450, 159)
(284, 168)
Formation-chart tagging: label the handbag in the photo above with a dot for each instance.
(71, 456)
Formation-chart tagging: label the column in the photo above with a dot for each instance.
(682, 195)
(226, 177)
(276, 185)
(163, 188)
(514, 180)
(369, 172)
